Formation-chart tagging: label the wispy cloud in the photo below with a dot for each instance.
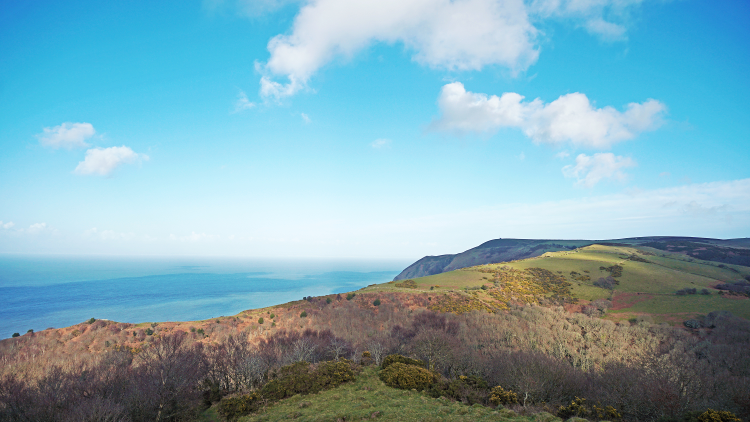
(590, 170)
(67, 135)
(37, 228)
(381, 143)
(103, 161)
(7, 225)
(242, 103)
(305, 118)
(571, 118)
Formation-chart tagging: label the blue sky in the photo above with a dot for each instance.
(369, 129)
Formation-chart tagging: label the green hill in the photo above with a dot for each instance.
(650, 281)
(733, 251)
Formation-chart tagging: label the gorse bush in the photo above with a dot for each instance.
(407, 377)
(390, 359)
(232, 408)
(290, 380)
(576, 408)
(711, 415)
(606, 412)
(499, 396)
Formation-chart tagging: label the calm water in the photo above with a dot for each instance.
(37, 292)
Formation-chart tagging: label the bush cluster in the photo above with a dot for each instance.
(499, 396)
(407, 377)
(407, 284)
(579, 408)
(467, 389)
(711, 415)
(290, 380)
(614, 270)
(391, 359)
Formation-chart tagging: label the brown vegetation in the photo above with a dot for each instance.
(545, 355)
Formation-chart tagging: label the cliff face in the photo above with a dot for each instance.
(732, 251)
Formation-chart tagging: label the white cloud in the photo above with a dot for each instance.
(242, 103)
(7, 225)
(570, 118)
(37, 227)
(596, 16)
(589, 170)
(381, 143)
(103, 161)
(444, 34)
(67, 135)
(305, 118)
(562, 155)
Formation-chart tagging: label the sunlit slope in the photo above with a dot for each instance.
(647, 282)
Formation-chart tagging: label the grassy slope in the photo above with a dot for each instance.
(653, 283)
(367, 395)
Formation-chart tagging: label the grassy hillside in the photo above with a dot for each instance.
(368, 398)
(647, 284)
(733, 251)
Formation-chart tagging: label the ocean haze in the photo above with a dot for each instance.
(38, 292)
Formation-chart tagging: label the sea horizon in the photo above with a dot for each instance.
(54, 291)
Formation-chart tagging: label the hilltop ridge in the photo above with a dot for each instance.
(729, 251)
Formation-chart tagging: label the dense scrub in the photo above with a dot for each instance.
(546, 356)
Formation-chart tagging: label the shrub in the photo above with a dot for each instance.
(606, 412)
(233, 407)
(500, 396)
(303, 314)
(91, 320)
(350, 296)
(400, 359)
(30, 330)
(377, 302)
(149, 331)
(299, 378)
(467, 389)
(328, 300)
(606, 283)
(711, 415)
(576, 408)
(407, 284)
(261, 320)
(705, 292)
(16, 335)
(407, 377)
(272, 316)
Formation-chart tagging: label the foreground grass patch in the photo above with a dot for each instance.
(368, 398)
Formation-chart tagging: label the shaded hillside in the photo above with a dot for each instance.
(733, 251)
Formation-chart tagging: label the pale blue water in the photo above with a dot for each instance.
(37, 292)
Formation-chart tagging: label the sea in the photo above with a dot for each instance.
(39, 292)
